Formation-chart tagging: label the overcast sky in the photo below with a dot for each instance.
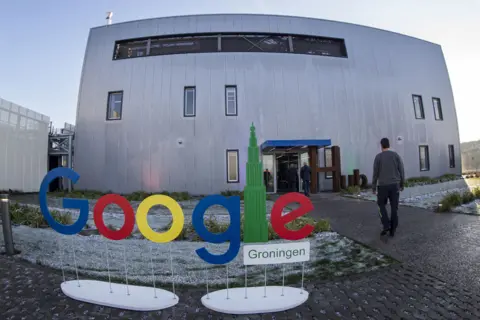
(43, 42)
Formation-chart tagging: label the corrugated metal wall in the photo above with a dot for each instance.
(24, 147)
(354, 102)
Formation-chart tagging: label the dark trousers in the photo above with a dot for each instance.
(391, 193)
(306, 187)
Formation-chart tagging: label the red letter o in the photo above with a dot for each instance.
(128, 213)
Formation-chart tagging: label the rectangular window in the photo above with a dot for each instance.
(181, 45)
(232, 166)
(418, 106)
(23, 122)
(130, 49)
(437, 109)
(114, 106)
(229, 42)
(4, 116)
(424, 158)
(30, 124)
(13, 119)
(189, 102)
(328, 162)
(451, 156)
(255, 43)
(319, 46)
(231, 101)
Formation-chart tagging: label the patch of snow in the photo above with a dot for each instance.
(469, 208)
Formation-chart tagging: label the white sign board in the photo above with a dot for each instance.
(276, 253)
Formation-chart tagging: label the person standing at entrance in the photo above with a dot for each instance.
(388, 180)
(266, 178)
(305, 173)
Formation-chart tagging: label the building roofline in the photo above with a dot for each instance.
(265, 15)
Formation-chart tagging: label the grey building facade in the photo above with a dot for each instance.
(166, 103)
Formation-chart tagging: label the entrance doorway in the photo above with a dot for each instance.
(287, 172)
(279, 156)
(281, 171)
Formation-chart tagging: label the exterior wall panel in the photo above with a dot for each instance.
(353, 101)
(24, 147)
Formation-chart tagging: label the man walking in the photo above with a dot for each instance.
(387, 182)
(305, 176)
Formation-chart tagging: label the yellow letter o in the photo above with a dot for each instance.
(177, 218)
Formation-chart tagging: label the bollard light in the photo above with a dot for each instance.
(6, 225)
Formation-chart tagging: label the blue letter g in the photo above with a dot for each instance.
(232, 234)
(82, 205)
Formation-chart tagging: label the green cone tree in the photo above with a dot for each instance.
(255, 194)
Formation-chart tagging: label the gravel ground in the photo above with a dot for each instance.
(331, 254)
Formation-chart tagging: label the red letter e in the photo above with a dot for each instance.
(278, 221)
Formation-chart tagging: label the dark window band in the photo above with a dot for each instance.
(229, 42)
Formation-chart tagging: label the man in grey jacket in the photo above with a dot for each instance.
(388, 180)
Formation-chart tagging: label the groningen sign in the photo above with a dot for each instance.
(276, 253)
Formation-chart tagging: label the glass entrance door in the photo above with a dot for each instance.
(287, 172)
(303, 158)
(268, 161)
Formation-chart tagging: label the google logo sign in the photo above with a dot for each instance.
(232, 204)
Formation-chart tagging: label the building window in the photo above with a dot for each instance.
(437, 109)
(189, 102)
(114, 107)
(424, 158)
(229, 42)
(231, 101)
(130, 49)
(4, 116)
(255, 43)
(418, 106)
(13, 119)
(451, 156)
(232, 166)
(180, 45)
(23, 122)
(319, 46)
(327, 152)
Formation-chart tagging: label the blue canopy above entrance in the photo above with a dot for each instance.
(270, 145)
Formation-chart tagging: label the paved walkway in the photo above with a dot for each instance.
(30, 291)
(442, 244)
